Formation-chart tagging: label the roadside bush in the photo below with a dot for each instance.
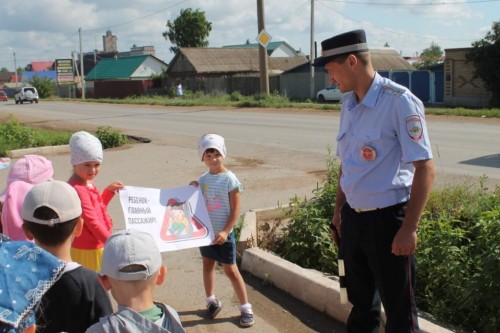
(235, 96)
(458, 257)
(110, 138)
(306, 240)
(458, 252)
(46, 87)
(15, 135)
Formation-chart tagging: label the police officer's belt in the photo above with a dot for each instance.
(363, 210)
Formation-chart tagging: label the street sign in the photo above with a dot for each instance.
(264, 38)
(64, 72)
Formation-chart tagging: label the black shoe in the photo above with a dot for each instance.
(214, 308)
(246, 319)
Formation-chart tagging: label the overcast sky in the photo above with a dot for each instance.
(48, 29)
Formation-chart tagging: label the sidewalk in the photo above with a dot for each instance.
(161, 166)
(164, 166)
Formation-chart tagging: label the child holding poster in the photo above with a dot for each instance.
(86, 158)
(221, 190)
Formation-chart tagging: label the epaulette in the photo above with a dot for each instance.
(393, 89)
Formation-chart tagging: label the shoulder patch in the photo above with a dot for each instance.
(392, 89)
(414, 127)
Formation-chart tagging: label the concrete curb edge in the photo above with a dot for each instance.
(310, 286)
(45, 151)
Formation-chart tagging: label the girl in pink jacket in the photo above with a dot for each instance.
(86, 158)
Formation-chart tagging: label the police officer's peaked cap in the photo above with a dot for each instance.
(349, 42)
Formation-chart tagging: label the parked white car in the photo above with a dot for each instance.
(26, 94)
(330, 93)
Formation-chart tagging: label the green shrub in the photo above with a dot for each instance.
(458, 257)
(458, 252)
(235, 96)
(306, 240)
(45, 86)
(15, 135)
(110, 138)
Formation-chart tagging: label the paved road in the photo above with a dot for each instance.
(461, 146)
(275, 154)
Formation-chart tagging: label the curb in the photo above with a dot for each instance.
(308, 285)
(47, 150)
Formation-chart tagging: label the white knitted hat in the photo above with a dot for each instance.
(208, 141)
(85, 147)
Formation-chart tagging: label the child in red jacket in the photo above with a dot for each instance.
(86, 158)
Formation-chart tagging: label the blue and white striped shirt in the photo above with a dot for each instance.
(215, 189)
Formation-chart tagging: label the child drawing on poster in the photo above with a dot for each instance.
(179, 222)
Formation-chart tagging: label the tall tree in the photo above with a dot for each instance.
(190, 29)
(429, 56)
(485, 55)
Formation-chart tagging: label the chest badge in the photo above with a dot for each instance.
(368, 153)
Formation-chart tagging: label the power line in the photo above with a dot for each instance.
(136, 19)
(392, 31)
(441, 3)
(290, 15)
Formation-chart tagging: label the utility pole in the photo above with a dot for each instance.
(15, 67)
(264, 78)
(312, 53)
(82, 79)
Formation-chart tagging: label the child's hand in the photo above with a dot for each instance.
(114, 186)
(220, 238)
(194, 183)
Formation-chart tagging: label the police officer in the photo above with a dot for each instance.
(386, 159)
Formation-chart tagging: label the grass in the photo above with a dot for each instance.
(273, 100)
(15, 135)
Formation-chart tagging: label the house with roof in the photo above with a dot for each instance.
(274, 49)
(296, 83)
(39, 66)
(123, 77)
(461, 86)
(225, 69)
(28, 76)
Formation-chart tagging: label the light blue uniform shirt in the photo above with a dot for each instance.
(378, 140)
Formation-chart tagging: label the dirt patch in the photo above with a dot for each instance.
(247, 162)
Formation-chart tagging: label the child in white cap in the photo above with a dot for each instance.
(27, 171)
(131, 268)
(52, 217)
(86, 158)
(221, 190)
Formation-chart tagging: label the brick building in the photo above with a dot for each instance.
(460, 86)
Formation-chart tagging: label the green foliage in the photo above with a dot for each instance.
(430, 56)
(110, 138)
(458, 257)
(198, 98)
(46, 87)
(458, 253)
(306, 240)
(14, 135)
(485, 55)
(235, 96)
(190, 29)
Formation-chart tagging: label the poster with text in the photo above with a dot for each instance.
(176, 218)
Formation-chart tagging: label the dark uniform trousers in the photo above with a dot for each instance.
(374, 274)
